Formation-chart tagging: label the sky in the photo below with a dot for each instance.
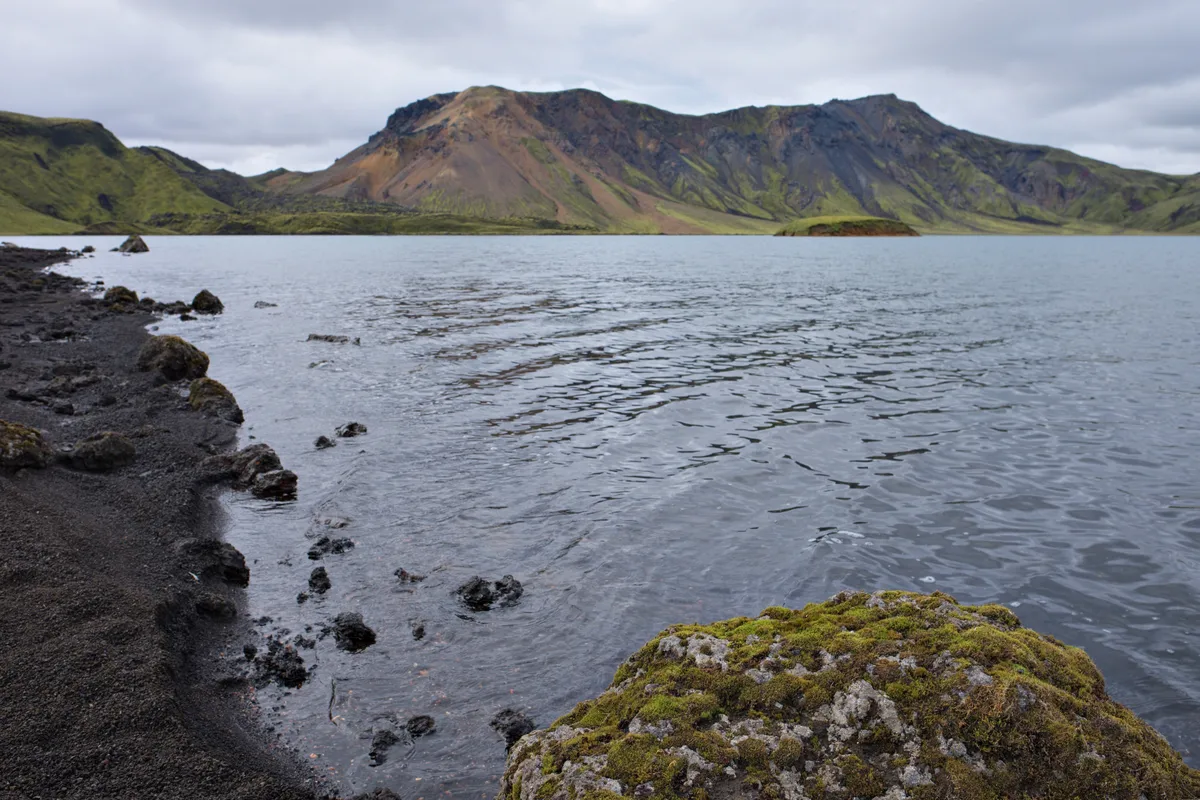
(256, 84)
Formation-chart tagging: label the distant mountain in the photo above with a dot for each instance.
(493, 160)
(580, 157)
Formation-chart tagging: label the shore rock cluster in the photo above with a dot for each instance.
(256, 468)
(893, 696)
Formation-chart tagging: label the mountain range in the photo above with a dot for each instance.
(489, 159)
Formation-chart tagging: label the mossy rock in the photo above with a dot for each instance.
(207, 303)
(892, 695)
(174, 357)
(211, 397)
(103, 452)
(120, 295)
(22, 446)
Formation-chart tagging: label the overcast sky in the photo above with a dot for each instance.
(255, 84)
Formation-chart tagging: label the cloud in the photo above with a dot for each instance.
(243, 81)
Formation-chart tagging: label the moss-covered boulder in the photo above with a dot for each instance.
(207, 303)
(120, 295)
(102, 452)
(134, 244)
(889, 695)
(174, 357)
(22, 446)
(211, 397)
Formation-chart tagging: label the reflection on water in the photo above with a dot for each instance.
(651, 431)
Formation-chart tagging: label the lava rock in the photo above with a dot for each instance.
(479, 594)
(207, 303)
(512, 725)
(23, 446)
(351, 633)
(265, 304)
(380, 744)
(318, 581)
(418, 629)
(420, 726)
(324, 443)
(326, 545)
(175, 358)
(331, 338)
(134, 244)
(187, 318)
(219, 560)
(64, 408)
(404, 576)
(216, 607)
(119, 295)
(103, 452)
(281, 664)
(88, 249)
(351, 429)
(278, 485)
(212, 398)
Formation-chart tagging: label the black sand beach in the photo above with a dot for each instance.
(111, 680)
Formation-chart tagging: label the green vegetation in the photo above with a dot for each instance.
(335, 223)
(890, 694)
(847, 226)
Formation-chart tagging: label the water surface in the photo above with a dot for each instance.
(647, 431)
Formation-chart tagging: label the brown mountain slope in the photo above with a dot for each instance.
(579, 157)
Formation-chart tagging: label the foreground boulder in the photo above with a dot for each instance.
(120, 296)
(134, 244)
(207, 303)
(478, 594)
(103, 452)
(351, 633)
(280, 484)
(22, 446)
(212, 398)
(891, 695)
(175, 358)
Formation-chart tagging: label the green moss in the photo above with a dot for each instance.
(846, 226)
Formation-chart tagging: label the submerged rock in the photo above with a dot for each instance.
(174, 357)
(351, 633)
(326, 545)
(351, 429)
(281, 484)
(892, 695)
(22, 446)
(265, 304)
(420, 726)
(134, 244)
(331, 338)
(478, 594)
(281, 664)
(380, 744)
(318, 581)
(212, 398)
(324, 443)
(207, 303)
(512, 725)
(102, 452)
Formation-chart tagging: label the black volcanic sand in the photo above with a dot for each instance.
(111, 683)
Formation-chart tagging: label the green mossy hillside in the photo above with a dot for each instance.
(887, 695)
(847, 226)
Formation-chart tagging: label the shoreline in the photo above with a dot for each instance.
(114, 678)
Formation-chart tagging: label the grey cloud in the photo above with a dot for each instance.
(303, 77)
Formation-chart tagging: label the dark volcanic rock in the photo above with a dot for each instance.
(102, 453)
(219, 560)
(420, 726)
(88, 249)
(265, 304)
(216, 607)
(175, 358)
(331, 338)
(134, 244)
(478, 594)
(207, 303)
(326, 545)
(351, 429)
(277, 485)
(281, 664)
(178, 307)
(380, 744)
(404, 576)
(211, 397)
(324, 443)
(22, 446)
(351, 633)
(512, 725)
(119, 295)
(318, 581)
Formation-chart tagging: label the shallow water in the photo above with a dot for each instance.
(655, 430)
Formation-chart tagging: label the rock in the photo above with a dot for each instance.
(175, 358)
(103, 452)
(23, 446)
(88, 249)
(478, 594)
(324, 443)
(351, 633)
(216, 607)
(318, 581)
(326, 545)
(245, 466)
(418, 629)
(512, 725)
(377, 794)
(351, 429)
(331, 338)
(64, 408)
(219, 560)
(212, 398)
(178, 307)
(119, 295)
(281, 664)
(872, 696)
(420, 726)
(380, 744)
(187, 318)
(277, 485)
(404, 576)
(207, 303)
(265, 304)
(134, 244)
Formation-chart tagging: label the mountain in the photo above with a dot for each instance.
(60, 175)
(580, 157)
(492, 160)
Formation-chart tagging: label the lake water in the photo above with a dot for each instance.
(647, 431)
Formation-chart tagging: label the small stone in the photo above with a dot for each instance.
(326, 545)
(351, 429)
(324, 443)
(318, 581)
(420, 726)
(404, 576)
(352, 634)
(265, 304)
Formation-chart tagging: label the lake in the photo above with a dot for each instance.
(647, 431)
